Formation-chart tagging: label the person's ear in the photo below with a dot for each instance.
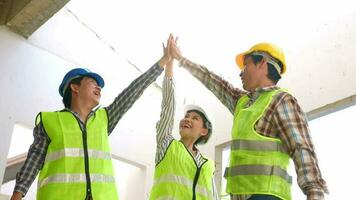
(262, 63)
(204, 132)
(74, 87)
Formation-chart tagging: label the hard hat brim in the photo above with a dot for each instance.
(192, 107)
(239, 59)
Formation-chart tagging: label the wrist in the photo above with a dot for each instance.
(162, 62)
(17, 195)
(179, 58)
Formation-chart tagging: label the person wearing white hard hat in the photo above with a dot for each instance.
(181, 171)
(269, 128)
(71, 150)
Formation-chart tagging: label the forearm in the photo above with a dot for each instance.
(223, 90)
(315, 194)
(128, 97)
(308, 174)
(165, 124)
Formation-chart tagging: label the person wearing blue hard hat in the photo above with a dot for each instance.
(71, 150)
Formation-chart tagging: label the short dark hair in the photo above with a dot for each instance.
(206, 124)
(67, 97)
(273, 74)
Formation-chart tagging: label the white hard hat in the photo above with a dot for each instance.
(207, 121)
(195, 107)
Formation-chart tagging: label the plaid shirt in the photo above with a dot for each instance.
(37, 152)
(283, 119)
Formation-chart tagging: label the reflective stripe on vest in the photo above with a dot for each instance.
(257, 145)
(266, 170)
(77, 152)
(76, 178)
(183, 181)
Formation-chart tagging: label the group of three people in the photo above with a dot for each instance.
(71, 151)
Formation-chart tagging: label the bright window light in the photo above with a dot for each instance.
(21, 140)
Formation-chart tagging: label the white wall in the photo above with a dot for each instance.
(28, 76)
(4, 197)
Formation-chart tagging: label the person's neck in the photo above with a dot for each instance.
(189, 144)
(263, 84)
(81, 109)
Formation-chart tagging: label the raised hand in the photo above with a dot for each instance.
(175, 51)
(166, 52)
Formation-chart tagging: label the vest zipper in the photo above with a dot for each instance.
(86, 157)
(86, 163)
(197, 174)
(196, 178)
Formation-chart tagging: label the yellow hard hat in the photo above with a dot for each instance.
(269, 48)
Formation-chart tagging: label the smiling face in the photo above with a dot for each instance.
(192, 126)
(88, 91)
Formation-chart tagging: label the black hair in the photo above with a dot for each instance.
(273, 74)
(67, 96)
(206, 124)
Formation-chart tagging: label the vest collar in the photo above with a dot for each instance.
(92, 112)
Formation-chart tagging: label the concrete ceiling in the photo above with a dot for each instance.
(26, 16)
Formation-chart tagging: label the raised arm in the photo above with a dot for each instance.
(165, 124)
(223, 90)
(128, 97)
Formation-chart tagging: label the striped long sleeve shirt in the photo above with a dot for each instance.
(37, 152)
(283, 119)
(165, 125)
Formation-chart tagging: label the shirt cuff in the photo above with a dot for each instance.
(315, 194)
(22, 190)
(182, 61)
(168, 78)
(157, 68)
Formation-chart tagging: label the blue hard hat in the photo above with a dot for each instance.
(76, 73)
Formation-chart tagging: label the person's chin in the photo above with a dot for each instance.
(182, 133)
(244, 87)
(95, 103)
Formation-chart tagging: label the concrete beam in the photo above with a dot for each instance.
(32, 15)
(5, 6)
(13, 166)
(333, 107)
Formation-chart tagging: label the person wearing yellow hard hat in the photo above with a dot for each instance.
(269, 128)
(181, 171)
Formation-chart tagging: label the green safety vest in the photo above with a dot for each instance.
(177, 176)
(258, 164)
(78, 162)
